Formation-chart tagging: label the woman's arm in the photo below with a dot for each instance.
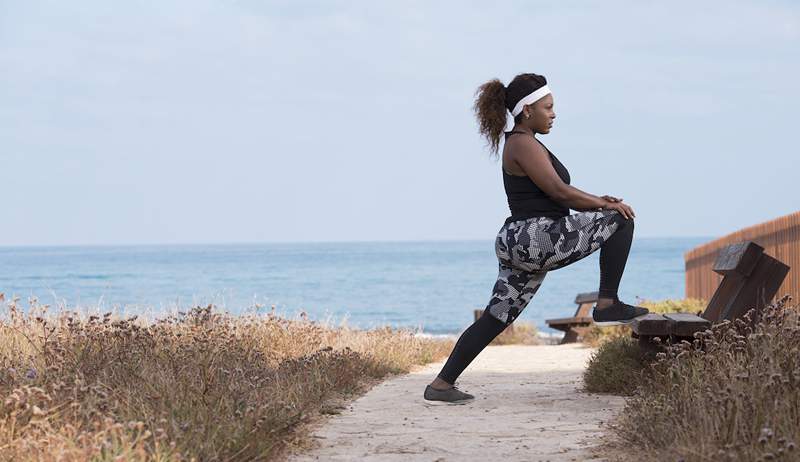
(576, 199)
(535, 162)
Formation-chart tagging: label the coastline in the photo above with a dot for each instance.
(545, 338)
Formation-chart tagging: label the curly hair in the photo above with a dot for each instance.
(494, 100)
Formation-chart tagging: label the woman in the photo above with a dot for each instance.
(540, 235)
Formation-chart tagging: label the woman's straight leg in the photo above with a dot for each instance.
(512, 291)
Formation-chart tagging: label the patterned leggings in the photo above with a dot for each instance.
(528, 249)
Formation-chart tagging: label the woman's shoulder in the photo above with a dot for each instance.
(516, 145)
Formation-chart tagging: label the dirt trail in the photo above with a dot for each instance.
(528, 407)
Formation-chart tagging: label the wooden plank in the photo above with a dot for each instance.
(581, 318)
(723, 297)
(572, 320)
(586, 297)
(584, 309)
(570, 336)
(759, 289)
(739, 258)
(651, 324)
(686, 324)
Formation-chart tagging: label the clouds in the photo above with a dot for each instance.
(260, 114)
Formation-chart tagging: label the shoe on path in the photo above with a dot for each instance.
(617, 313)
(450, 396)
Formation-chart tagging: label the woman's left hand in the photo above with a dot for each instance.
(611, 199)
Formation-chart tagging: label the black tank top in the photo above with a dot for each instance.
(525, 199)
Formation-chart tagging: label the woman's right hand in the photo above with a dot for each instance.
(621, 207)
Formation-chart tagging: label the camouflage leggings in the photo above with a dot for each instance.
(528, 249)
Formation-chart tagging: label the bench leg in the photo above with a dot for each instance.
(646, 343)
(570, 336)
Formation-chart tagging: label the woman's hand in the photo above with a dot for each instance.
(621, 207)
(611, 199)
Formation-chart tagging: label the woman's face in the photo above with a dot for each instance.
(541, 114)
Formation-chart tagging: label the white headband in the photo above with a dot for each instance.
(532, 98)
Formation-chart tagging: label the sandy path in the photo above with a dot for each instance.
(527, 408)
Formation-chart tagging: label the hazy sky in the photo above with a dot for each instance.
(248, 121)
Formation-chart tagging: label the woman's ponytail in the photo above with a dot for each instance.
(490, 109)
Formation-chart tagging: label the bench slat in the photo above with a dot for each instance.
(586, 297)
(651, 324)
(573, 320)
(686, 324)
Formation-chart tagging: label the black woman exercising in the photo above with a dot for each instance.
(540, 235)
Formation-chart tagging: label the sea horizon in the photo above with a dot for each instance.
(428, 285)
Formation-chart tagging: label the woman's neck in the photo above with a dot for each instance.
(522, 128)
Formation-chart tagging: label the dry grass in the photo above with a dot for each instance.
(201, 385)
(731, 395)
(617, 366)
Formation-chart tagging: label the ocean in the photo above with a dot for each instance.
(432, 286)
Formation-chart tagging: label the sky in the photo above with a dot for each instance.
(231, 121)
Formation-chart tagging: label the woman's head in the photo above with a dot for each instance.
(528, 99)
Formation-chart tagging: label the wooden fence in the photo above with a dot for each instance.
(779, 237)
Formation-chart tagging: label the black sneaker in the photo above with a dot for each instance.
(450, 396)
(617, 313)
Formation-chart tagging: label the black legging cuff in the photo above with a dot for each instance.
(472, 341)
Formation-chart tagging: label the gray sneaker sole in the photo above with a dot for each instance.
(429, 402)
(440, 402)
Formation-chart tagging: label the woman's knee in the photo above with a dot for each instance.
(628, 223)
(624, 223)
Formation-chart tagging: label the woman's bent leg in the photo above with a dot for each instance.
(512, 292)
(578, 235)
(613, 256)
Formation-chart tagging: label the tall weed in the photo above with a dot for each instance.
(200, 385)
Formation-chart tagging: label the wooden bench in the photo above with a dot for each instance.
(572, 327)
(750, 280)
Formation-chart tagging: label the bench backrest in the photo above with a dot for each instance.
(750, 279)
(585, 303)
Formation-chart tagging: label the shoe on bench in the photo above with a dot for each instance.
(450, 396)
(617, 313)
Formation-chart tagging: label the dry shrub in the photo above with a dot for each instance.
(200, 385)
(731, 395)
(617, 366)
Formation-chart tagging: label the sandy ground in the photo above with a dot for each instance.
(527, 407)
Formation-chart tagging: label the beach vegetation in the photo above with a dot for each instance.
(731, 394)
(196, 385)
